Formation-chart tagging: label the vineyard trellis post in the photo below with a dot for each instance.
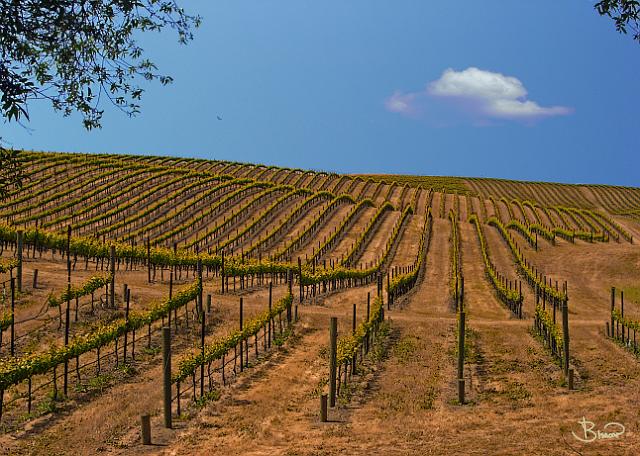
(300, 279)
(222, 274)
(202, 326)
(145, 422)
(367, 338)
(166, 363)
(461, 347)
(353, 322)
(20, 238)
(333, 349)
(270, 319)
(290, 282)
(112, 290)
(323, 408)
(613, 306)
(67, 312)
(126, 319)
(353, 332)
(13, 316)
(565, 336)
(148, 260)
(241, 340)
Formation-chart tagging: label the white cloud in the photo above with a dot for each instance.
(476, 83)
(482, 93)
(402, 103)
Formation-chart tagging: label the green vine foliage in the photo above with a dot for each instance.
(336, 202)
(270, 210)
(8, 265)
(220, 347)
(616, 226)
(348, 346)
(523, 230)
(456, 266)
(14, 370)
(405, 281)
(161, 256)
(504, 293)
(387, 206)
(244, 183)
(295, 212)
(347, 220)
(91, 285)
(547, 321)
(523, 265)
(625, 321)
(5, 320)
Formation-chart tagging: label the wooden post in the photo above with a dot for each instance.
(323, 408)
(145, 422)
(290, 281)
(125, 289)
(241, 341)
(166, 363)
(222, 275)
(171, 275)
(368, 304)
(149, 260)
(455, 292)
(613, 306)
(13, 316)
(565, 336)
(353, 323)
(202, 326)
(461, 345)
(126, 331)
(300, 279)
(112, 253)
(35, 279)
(353, 329)
(19, 242)
(570, 380)
(333, 348)
(66, 321)
(270, 319)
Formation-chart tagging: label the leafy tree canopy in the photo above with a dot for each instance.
(625, 14)
(76, 53)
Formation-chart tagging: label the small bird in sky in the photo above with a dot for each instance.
(219, 118)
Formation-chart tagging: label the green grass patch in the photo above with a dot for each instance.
(405, 349)
(210, 396)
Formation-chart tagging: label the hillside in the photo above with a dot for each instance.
(194, 241)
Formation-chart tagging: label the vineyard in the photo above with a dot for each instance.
(234, 308)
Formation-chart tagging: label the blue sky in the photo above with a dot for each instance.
(311, 85)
